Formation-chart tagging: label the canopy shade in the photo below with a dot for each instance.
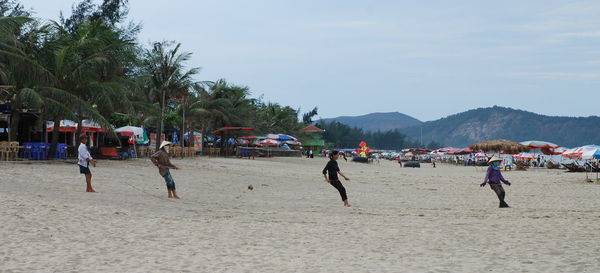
(500, 145)
(71, 126)
(231, 130)
(282, 137)
(584, 152)
(130, 131)
(537, 144)
(312, 129)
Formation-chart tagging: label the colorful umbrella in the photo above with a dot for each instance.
(130, 131)
(282, 137)
(480, 155)
(269, 142)
(293, 143)
(524, 156)
(537, 144)
(584, 152)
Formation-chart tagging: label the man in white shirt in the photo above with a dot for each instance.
(84, 161)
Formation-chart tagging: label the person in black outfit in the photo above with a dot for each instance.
(332, 169)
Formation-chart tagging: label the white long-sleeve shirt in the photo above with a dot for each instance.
(84, 155)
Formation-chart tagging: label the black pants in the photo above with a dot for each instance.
(499, 190)
(338, 185)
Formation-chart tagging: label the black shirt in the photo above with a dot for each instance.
(333, 169)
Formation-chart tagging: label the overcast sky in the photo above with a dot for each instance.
(427, 59)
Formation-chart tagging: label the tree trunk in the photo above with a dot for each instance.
(15, 119)
(78, 131)
(157, 139)
(162, 117)
(182, 137)
(55, 132)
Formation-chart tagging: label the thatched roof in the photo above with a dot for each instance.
(312, 129)
(500, 145)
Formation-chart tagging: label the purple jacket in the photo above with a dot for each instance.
(493, 176)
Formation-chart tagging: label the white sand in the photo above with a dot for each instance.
(402, 220)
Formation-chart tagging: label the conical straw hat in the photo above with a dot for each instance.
(494, 158)
(164, 143)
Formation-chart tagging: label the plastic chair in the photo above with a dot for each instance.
(26, 153)
(61, 151)
(132, 153)
(36, 151)
(4, 147)
(14, 150)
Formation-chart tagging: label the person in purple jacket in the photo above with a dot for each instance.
(494, 177)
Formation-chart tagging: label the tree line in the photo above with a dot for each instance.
(90, 65)
(340, 135)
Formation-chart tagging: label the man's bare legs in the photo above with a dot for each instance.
(88, 182)
(173, 194)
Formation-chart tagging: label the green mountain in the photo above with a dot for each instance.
(463, 129)
(377, 121)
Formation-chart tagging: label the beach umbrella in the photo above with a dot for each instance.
(575, 153)
(242, 141)
(554, 151)
(480, 155)
(269, 142)
(460, 151)
(282, 137)
(584, 152)
(446, 149)
(130, 131)
(293, 142)
(593, 153)
(524, 156)
(537, 144)
(500, 145)
(136, 134)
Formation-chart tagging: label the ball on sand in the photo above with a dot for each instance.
(250, 187)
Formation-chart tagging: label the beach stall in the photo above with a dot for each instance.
(502, 146)
(137, 136)
(69, 127)
(313, 140)
(589, 153)
(225, 142)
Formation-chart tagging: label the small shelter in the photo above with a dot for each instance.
(69, 128)
(500, 146)
(315, 139)
(230, 133)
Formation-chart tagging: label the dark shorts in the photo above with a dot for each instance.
(84, 170)
(169, 181)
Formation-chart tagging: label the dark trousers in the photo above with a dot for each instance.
(338, 185)
(499, 190)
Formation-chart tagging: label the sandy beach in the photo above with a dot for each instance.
(402, 220)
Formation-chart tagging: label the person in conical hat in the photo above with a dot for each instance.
(494, 177)
(161, 160)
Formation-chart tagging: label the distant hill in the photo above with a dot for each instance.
(466, 128)
(378, 121)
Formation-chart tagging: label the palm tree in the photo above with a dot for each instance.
(273, 117)
(68, 75)
(224, 105)
(166, 70)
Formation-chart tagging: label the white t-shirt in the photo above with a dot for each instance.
(84, 155)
